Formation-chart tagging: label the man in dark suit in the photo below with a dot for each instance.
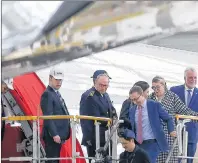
(146, 117)
(55, 132)
(98, 104)
(188, 93)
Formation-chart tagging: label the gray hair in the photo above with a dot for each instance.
(161, 80)
(102, 75)
(94, 80)
(189, 69)
(137, 89)
(157, 79)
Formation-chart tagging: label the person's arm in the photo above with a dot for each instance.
(114, 113)
(165, 117)
(88, 109)
(181, 108)
(122, 158)
(124, 113)
(47, 108)
(145, 157)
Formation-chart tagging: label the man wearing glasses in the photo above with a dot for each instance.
(124, 113)
(97, 103)
(87, 92)
(145, 117)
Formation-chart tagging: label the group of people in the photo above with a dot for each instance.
(149, 128)
(182, 99)
(151, 118)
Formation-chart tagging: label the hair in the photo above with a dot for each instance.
(137, 89)
(100, 76)
(144, 85)
(126, 138)
(157, 79)
(161, 80)
(189, 69)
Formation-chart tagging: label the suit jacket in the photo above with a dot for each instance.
(156, 113)
(139, 155)
(192, 127)
(51, 105)
(85, 95)
(95, 105)
(124, 113)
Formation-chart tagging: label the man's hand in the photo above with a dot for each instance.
(89, 143)
(173, 134)
(57, 139)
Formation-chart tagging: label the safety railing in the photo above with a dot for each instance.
(74, 120)
(182, 137)
(181, 140)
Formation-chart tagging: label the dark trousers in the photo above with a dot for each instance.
(52, 150)
(152, 150)
(191, 151)
(91, 151)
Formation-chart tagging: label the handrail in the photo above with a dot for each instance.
(24, 118)
(93, 118)
(186, 117)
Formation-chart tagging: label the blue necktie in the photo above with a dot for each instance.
(189, 97)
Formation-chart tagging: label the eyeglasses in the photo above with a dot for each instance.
(103, 85)
(135, 99)
(156, 87)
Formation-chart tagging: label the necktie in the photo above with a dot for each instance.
(62, 101)
(139, 129)
(188, 97)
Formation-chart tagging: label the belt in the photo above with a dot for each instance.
(149, 141)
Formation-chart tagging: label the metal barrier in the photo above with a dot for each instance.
(74, 121)
(182, 137)
(181, 140)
